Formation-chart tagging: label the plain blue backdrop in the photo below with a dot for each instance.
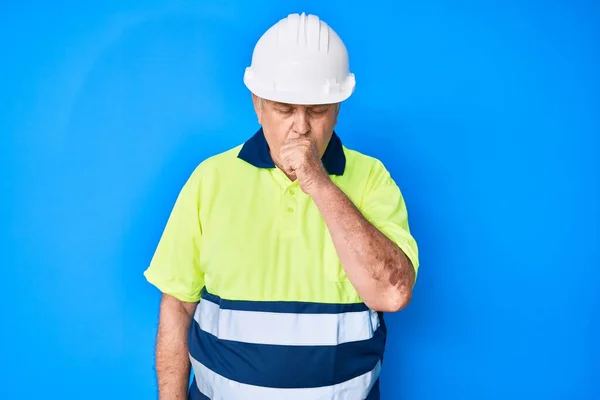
(486, 113)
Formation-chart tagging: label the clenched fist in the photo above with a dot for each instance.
(299, 157)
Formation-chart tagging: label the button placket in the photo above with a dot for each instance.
(290, 199)
(289, 207)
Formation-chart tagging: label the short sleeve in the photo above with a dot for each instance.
(175, 265)
(383, 206)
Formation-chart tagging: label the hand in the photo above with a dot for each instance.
(300, 158)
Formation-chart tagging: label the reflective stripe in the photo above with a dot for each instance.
(279, 366)
(195, 394)
(261, 327)
(217, 387)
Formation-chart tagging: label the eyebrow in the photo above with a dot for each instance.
(279, 104)
(285, 105)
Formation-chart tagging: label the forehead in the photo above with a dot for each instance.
(288, 105)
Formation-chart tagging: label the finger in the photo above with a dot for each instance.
(289, 168)
(288, 160)
(293, 147)
(305, 142)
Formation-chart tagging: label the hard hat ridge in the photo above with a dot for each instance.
(307, 32)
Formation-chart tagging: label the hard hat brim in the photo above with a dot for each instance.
(300, 97)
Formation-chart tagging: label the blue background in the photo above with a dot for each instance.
(487, 114)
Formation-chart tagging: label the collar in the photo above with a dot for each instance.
(255, 151)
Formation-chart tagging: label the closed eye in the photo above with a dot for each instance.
(285, 111)
(318, 111)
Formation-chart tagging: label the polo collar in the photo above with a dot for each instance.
(255, 151)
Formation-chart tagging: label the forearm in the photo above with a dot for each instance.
(172, 360)
(381, 273)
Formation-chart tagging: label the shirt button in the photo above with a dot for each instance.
(292, 192)
(290, 209)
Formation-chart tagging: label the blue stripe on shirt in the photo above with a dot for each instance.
(279, 366)
(292, 307)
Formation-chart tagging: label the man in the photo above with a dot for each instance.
(281, 254)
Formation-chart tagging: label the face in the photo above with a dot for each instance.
(280, 121)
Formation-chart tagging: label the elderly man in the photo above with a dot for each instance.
(281, 255)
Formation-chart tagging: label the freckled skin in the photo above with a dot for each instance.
(298, 136)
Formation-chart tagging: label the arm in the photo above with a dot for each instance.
(172, 361)
(382, 272)
(379, 270)
(175, 270)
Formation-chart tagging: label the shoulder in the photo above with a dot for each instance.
(224, 159)
(364, 167)
(359, 159)
(212, 166)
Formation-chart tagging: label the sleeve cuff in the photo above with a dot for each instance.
(165, 288)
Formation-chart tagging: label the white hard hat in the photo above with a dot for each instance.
(300, 60)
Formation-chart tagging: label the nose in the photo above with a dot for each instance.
(301, 123)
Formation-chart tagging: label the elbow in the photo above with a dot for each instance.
(398, 300)
(394, 292)
(394, 300)
(397, 293)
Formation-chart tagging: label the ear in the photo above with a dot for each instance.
(257, 107)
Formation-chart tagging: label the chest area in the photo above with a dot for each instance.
(272, 246)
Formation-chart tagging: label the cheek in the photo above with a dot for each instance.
(324, 123)
(276, 123)
(276, 131)
(322, 130)
(322, 126)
